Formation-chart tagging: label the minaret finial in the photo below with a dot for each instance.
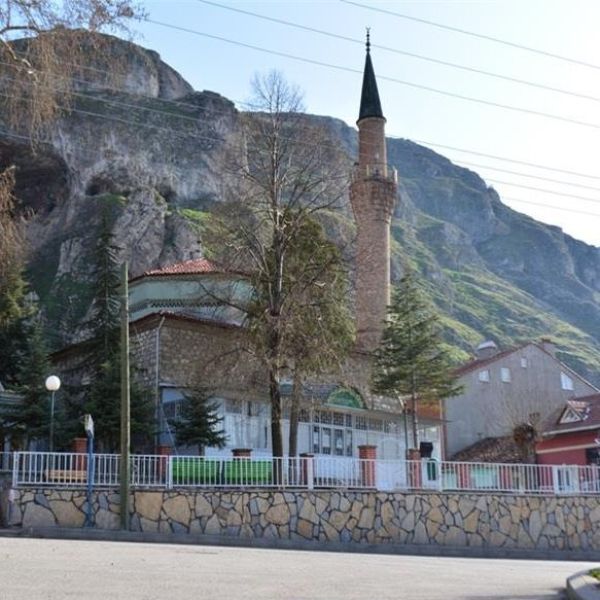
(368, 40)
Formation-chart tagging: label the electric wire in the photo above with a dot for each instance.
(414, 55)
(455, 95)
(474, 34)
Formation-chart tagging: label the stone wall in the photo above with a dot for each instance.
(560, 523)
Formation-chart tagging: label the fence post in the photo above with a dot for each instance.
(169, 471)
(308, 471)
(414, 469)
(367, 455)
(15, 468)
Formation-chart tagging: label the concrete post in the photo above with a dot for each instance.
(368, 456)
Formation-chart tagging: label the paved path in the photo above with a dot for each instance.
(35, 569)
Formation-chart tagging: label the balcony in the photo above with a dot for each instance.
(382, 171)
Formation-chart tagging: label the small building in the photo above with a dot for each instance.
(505, 388)
(571, 436)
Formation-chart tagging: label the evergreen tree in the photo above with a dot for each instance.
(197, 423)
(412, 361)
(32, 416)
(102, 398)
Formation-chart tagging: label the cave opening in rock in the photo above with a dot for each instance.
(41, 176)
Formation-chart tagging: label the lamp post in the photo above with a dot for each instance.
(52, 385)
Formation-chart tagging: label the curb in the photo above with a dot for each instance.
(583, 587)
(106, 535)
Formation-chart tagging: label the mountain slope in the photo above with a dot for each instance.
(154, 156)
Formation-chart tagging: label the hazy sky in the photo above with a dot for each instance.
(568, 28)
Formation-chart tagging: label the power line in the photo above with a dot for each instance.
(550, 206)
(503, 158)
(544, 190)
(521, 174)
(221, 140)
(446, 93)
(391, 136)
(414, 55)
(182, 134)
(502, 197)
(482, 36)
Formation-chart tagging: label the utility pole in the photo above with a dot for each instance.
(125, 400)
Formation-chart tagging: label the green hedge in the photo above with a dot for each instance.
(223, 472)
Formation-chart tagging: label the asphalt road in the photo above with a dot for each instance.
(33, 569)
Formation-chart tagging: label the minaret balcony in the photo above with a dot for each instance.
(375, 171)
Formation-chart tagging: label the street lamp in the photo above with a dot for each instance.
(52, 385)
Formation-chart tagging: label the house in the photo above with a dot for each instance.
(505, 388)
(571, 436)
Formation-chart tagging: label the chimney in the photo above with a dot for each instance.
(548, 345)
(486, 349)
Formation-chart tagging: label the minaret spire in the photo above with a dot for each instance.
(370, 105)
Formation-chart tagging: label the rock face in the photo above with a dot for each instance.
(155, 155)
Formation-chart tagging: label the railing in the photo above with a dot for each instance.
(375, 171)
(33, 469)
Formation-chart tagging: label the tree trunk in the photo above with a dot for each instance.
(415, 421)
(275, 395)
(294, 414)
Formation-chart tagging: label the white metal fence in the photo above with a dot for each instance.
(33, 469)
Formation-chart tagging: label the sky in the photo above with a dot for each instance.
(567, 194)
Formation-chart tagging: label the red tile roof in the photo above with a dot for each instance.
(588, 407)
(491, 450)
(187, 267)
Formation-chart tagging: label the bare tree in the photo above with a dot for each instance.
(11, 253)
(291, 171)
(45, 47)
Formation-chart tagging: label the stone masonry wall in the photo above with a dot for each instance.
(560, 523)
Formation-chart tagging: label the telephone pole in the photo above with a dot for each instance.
(124, 471)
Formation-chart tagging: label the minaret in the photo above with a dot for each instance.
(372, 194)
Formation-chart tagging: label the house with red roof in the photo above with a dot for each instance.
(187, 329)
(502, 389)
(571, 435)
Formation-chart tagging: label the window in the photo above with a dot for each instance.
(566, 383)
(316, 440)
(505, 374)
(338, 442)
(326, 440)
(338, 419)
(361, 423)
(523, 362)
(375, 424)
(484, 376)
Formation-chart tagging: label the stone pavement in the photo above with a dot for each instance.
(36, 569)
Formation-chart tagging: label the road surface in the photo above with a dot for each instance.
(33, 569)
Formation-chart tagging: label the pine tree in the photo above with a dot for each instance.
(411, 361)
(32, 416)
(102, 397)
(198, 422)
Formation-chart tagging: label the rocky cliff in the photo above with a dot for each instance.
(154, 151)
